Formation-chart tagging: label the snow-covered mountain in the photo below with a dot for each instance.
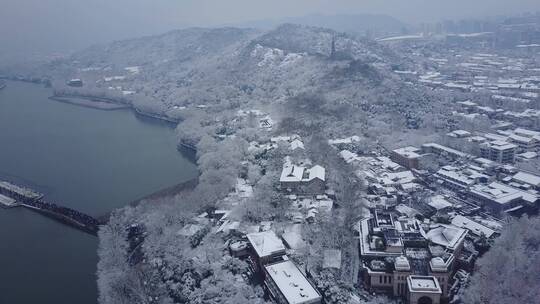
(193, 67)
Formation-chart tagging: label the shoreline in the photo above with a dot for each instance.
(108, 104)
(90, 101)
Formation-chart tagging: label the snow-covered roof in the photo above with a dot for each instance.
(521, 139)
(293, 239)
(409, 152)
(448, 236)
(292, 173)
(503, 194)
(528, 155)
(297, 144)
(317, 172)
(502, 145)
(527, 178)
(445, 149)
(292, 283)
(280, 138)
(437, 264)
(439, 202)
(526, 133)
(243, 189)
(404, 209)
(348, 156)
(467, 103)
(266, 243)
(401, 263)
(472, 226)
(465, 177)
(423, 284)
(394, 178)
(347, 140)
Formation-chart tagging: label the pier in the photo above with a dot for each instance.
(12, 195)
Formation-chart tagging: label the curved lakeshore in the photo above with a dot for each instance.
(85, 159)
(89, 100)
(107, 103)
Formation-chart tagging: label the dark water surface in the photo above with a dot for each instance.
(90, 160)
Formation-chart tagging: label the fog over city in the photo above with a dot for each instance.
(269, 152)
(37, 26)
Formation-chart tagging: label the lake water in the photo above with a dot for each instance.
(87, 159)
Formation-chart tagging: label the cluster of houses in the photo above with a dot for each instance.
(489, 182)
(430, 210)
(502, 76)
(303, 186)
(264, 120)
(504, 145)
(522, 115)
(428, 213)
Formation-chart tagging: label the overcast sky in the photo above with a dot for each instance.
(49, 25)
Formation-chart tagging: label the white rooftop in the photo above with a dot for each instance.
(439, 202)
(502, 193)
(472, 226)
(527, 178)
(292, 174)
(446, 149)
(297, 144)
(266, 243)
(348, 156)
(502, 145)
(409, 152)
(467, 103)
(528, 155)
(425, 284)
(346, 140)
(437, 264)
(448, 236)
(317, 172)
(526, 133)
(402, 264)
(292, 283)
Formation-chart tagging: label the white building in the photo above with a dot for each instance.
(303, 180)
(287, 285)
(423, 290)
(266, 246)
(499, 197)
(527, 178)
(500, 151)
(472, 226)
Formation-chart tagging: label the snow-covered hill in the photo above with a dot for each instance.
(232, 66)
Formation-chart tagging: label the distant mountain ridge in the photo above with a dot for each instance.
(358, 23)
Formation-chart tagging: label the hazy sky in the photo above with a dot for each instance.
(48, 25)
